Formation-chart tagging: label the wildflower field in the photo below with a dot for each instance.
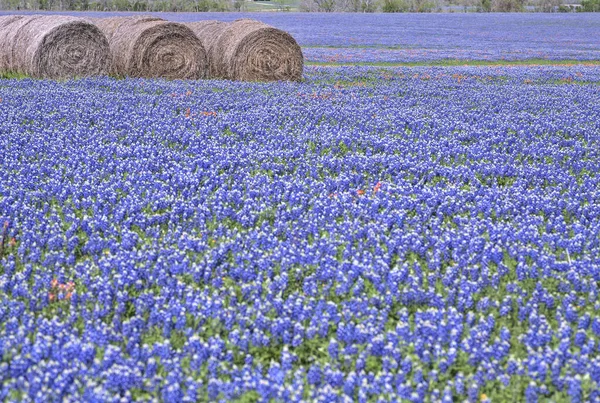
(375, 233)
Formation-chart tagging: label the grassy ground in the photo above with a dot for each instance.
(275, 5)
(12, 76)
(444, 62)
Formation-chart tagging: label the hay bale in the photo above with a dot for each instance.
(208, 32)
(6, 23)
(145, 46)
(7, 19)
(250, 50)
(54, 47)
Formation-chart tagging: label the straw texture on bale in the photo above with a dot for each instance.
(52, 47)
(145, 46)
(208, 31)
(6, 30)
(250, 50)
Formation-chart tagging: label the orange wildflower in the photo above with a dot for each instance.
(56, 288)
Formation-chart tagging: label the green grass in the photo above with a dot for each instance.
(442, 62)
(13, 76)
(281, 5)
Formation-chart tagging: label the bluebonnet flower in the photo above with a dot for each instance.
(574, 389)
(314, 375)
(285, 226)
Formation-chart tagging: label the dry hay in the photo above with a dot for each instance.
(250, 50)
(54, 47)
(6, 30)
(145, 46)
(208, 32)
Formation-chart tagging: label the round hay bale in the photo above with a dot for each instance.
(7, 19)
(6, 29)
(208, 32)
(54, 47)
(151, 47)
(250, 50)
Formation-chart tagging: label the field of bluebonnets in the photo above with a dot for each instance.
(373, 233)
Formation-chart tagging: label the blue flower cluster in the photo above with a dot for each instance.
(382, 55)
(369, 234)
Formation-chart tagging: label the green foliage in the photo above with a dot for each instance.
(312, 351)
(177, 339)
(122, 5)
(251, 396)
(139, 6)
(423, 6)
(590, 5)
(140, 395)
(210, 5)
(395, 6)
(153, 336)
(12, 76)
(238, 5)
(373, 364)
(505, 6)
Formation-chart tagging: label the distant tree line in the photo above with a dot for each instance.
(388, 6)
